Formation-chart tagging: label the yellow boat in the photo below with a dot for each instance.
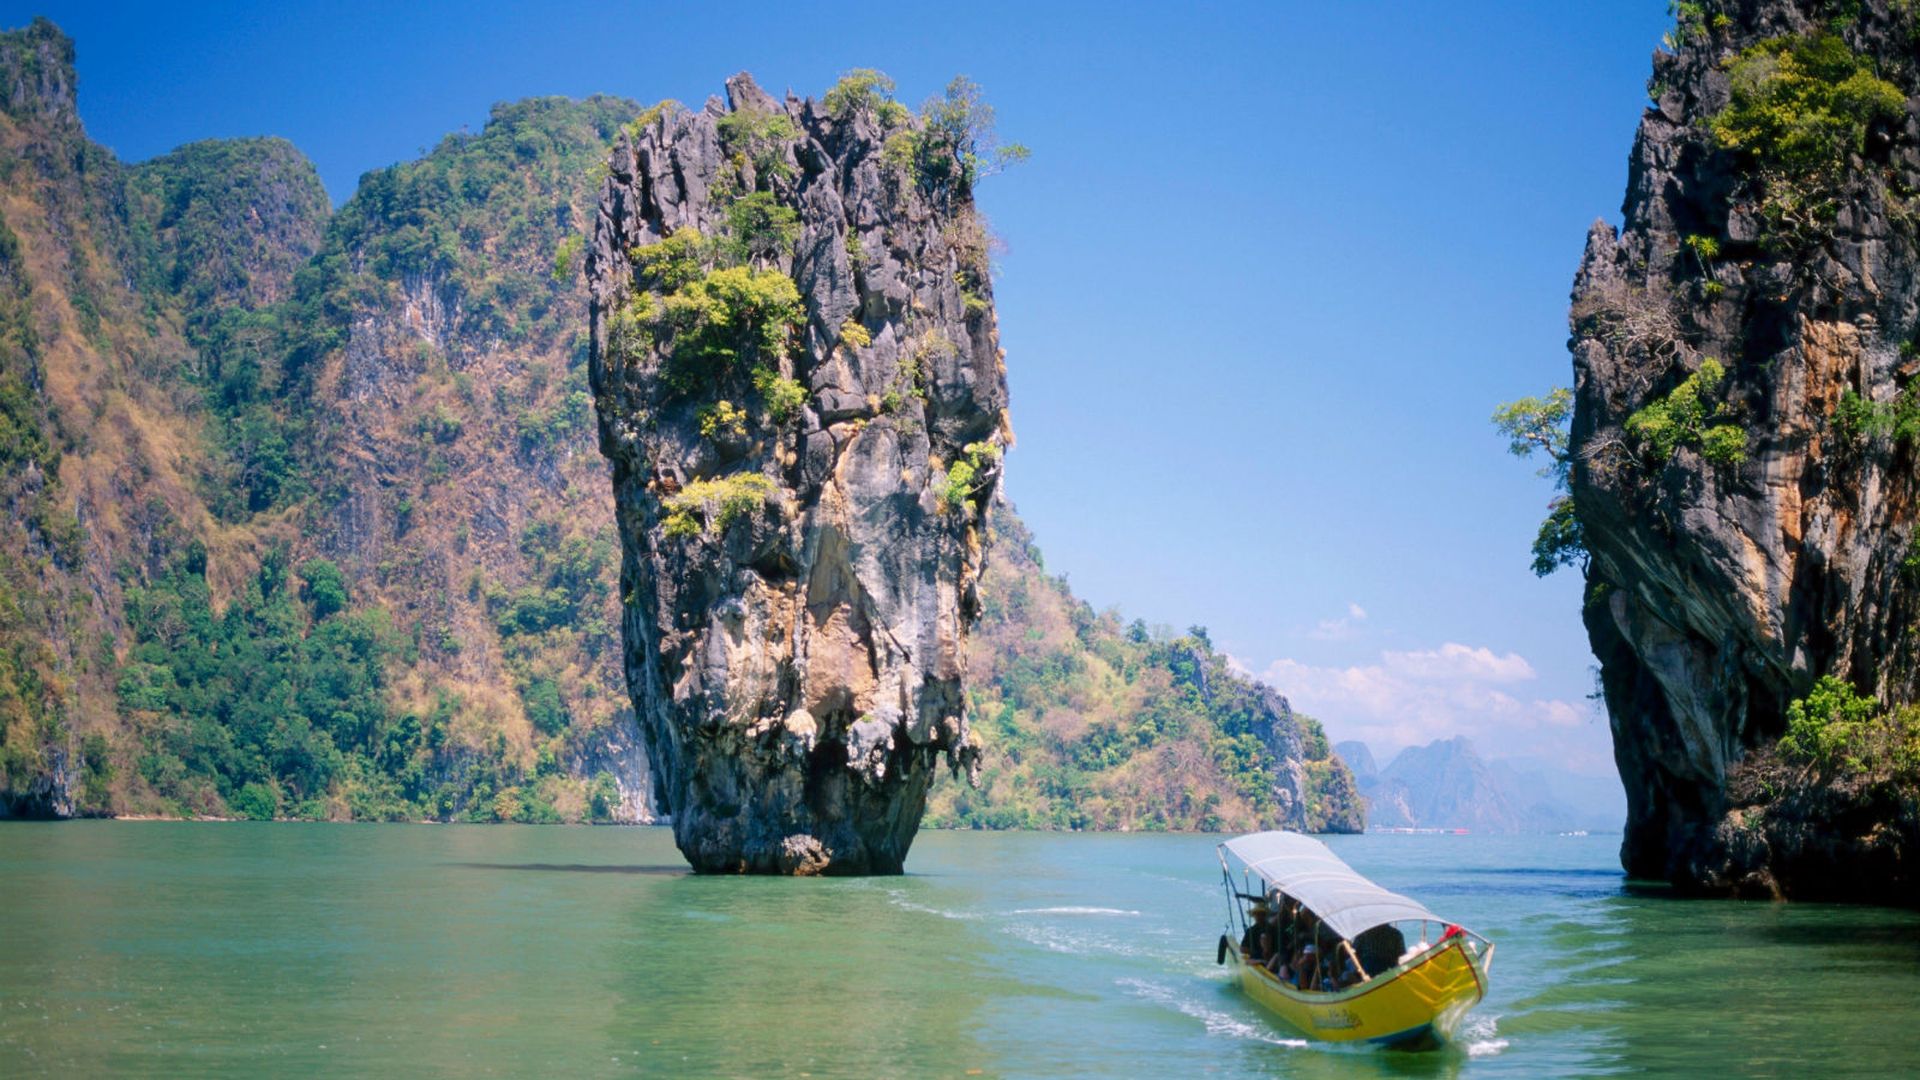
(1391, 993)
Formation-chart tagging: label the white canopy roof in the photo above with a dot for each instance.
(1308, 871)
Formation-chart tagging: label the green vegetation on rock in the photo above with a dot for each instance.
(762, 228)
(958, 490)
(1834, 728)
(1686, 416)
(1800, 112)
(760, 138)
(955, 147)
(719, 502)
(713, 317)
(865, 90)
(1090, 722)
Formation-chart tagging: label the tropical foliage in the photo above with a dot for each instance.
(1688, 416)
(1091, 722)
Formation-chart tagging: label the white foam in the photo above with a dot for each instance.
(1072, 911)
(899, 899)
(1068, 942)
(1218, 1023)
(1478, 1037)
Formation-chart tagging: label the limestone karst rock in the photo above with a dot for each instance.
(800, 389)
(1748, 532)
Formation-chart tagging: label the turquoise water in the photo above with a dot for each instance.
(243, 949)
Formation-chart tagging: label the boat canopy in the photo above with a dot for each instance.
(1309, 871)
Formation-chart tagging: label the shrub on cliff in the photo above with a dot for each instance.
(725, 317)
(1834, 729)
(758, 137)
(1801, 108)
(959, 486)
(761, 227)
(782, 396)
(957, 145)
(720, 501)
(326, 587)
(865, 90)
(1536, 425)
(1685, 416)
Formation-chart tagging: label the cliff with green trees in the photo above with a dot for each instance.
(1737, 454)
(304, 515)
(1089, 721)
(304, 518)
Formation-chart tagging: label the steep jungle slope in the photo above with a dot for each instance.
(101, 429)
(1087, 722)
(1743, 449)
(307, 519)
(405, 438)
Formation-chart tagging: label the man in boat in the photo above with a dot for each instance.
(1256, 944)
(1281, 962)
(1380, 948)
(1306, 959)
(1348, 971)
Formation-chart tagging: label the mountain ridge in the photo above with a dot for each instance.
(1446, 784)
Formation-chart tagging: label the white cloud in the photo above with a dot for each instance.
(1413, 697)
(1458, 662)
(1342, 628)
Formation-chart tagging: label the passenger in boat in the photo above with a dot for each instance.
(1349, 972)
(1306, 967)
(1257, 943)
(1281, 962)
(1380, 948)
(1328, 953)
(1306, 961)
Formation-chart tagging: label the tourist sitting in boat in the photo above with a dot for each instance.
(1306, 960)
(1287, 939)
(1380, 948)
(1257, 943)
(1349, 973)
(1281, 962)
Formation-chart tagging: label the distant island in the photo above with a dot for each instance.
(1447, 785)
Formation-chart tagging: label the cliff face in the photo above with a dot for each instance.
(801, 392)
(1743, 464)
(448, 417)
(299, 511)
(96, 435)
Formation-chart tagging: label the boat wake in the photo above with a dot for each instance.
(898, 898)
(1067, 942)
(1217, 1022)
(1478, 1037)
(1071, 911)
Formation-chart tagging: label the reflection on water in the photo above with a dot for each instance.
(234, 949)
(577, 868)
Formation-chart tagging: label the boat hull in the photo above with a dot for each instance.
(1417, 1004)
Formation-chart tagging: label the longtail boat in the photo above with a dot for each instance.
(1337, 957)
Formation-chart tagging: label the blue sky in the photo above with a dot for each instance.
(1267, 273)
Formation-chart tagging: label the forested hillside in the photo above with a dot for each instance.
(1091, 722)
(307, 519)
(304, 518)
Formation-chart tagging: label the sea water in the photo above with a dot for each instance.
(250, 949)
